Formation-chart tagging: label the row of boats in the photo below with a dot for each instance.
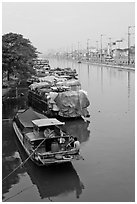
(59, 93)
(56, 95)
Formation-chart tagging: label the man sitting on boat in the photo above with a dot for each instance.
(76, 144)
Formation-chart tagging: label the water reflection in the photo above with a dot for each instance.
(128, 82)
(78, 128)
(10, 160)
(50, 181)
(110, 179)
(88, 67)
(102, 79)
(53, 180)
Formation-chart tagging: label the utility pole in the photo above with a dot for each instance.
(97, 45)
(97, 50)
(101, 48)
(88, 48)
(129, 43)
(78, 50)
(110, 48)
(67, 52)
(72, 50)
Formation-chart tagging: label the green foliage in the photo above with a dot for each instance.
(17, 54)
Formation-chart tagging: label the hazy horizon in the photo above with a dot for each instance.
(60, 25)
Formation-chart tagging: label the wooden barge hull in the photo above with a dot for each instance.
(47, 161)
(36, 102)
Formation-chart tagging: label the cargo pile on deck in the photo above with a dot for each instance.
(58, 93)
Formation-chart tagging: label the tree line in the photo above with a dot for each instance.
(18, 55)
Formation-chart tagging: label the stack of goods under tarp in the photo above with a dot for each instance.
(52, 79)
(72, 104)
(67, 72)
(56, 83)
(35, 86)
(74, 84)
(63, 96)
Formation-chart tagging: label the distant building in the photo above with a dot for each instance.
(122, 55)
(118, 53)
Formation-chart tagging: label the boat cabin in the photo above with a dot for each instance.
(43, 138)
(49, 129)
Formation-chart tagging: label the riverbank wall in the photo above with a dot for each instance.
(110, 65)
(113, 64)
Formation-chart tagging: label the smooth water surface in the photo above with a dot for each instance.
(107, 173)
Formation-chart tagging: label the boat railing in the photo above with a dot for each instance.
(64, 152)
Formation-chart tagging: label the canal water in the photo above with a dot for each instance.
(107, 173)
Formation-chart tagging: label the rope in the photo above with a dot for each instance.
(22, 163)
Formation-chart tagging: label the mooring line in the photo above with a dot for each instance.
(22, 163)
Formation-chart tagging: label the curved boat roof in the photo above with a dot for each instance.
(25, 117)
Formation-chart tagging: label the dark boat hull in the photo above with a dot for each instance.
(23, 126)
(36, 102)
(48, 162)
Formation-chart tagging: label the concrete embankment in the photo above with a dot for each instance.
(111, 65)
(106, 64)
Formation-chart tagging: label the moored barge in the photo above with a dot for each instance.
(44, 139)
(57, 96)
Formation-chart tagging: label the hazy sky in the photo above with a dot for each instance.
(59, 25)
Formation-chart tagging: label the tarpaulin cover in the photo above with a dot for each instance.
(73, 83)
(27, 116)
(49, 79)
(39, 85)
(72, 103)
